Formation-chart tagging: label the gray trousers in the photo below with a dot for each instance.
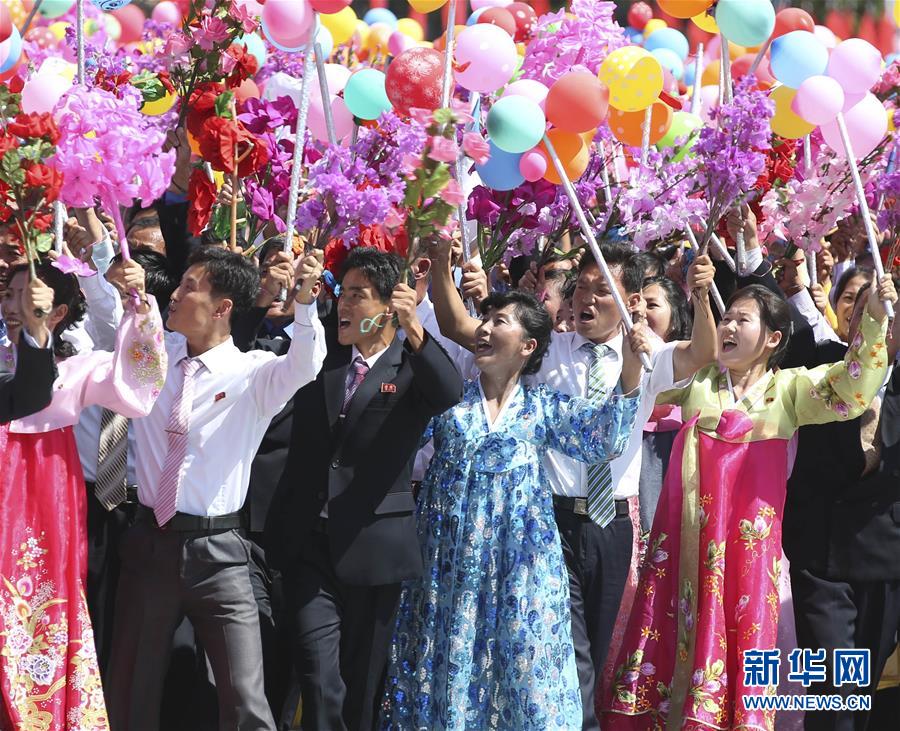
(167, 575)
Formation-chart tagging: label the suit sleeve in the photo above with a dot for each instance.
(435, 377)
(30, 389)
(173, 215)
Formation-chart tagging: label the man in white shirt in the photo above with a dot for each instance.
(184, 556)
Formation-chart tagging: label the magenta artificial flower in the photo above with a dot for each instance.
(71, 265)
(212, 31)
(443, 150)
(475, 146)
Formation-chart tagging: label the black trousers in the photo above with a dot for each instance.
(840, 614)
(597, 560)
(341, 639)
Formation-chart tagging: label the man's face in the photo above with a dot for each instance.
(193, 306)
(596, 315)
(149, 236)
(359, 309)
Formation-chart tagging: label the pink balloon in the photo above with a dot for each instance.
(866, 127)
(42, 92)
(818, 100)
(826, 36)
(485, 56)
(343, 119)
(709, 100)
(529, 88)
(398, 43)
(288, 22)
(166, 12)
(851, 100)
(479, 4)
(855, 64)
(337, 76)
(532, 165)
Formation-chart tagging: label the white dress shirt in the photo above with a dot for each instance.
(565, 368)
(235, 397)
(803, 301)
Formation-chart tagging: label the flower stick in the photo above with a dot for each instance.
(326, 96)
(713, 290)
(723, 251)
(645, 128)
(696, 101)
(447, 85)
(79, 39)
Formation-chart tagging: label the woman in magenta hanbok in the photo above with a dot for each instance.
(709, 586)
(49, 678)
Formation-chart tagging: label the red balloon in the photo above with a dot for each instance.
(247, 90)
(741, 65)
(6, 25)
(132, 19)
(328, 7)
(414, 79)
(638, 15)
(525, 18)
(500, 17)
(577, 102)
(791, 19)
(764, 72)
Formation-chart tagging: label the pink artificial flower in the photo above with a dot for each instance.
(475, 146)
(71, 265)
(211, 32)
(453, 194)
(422, 116)
(461, 110)
(410, 162)
(177, 44)
(242, 15)
(443, 150)
(227, 62)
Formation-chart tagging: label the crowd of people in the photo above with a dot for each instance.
(417, 500)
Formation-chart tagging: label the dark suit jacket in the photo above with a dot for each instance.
(30, 389)
(361, 464)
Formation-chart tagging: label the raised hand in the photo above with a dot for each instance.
(309, 270)
(37, 303)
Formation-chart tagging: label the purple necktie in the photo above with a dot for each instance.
(359, 373)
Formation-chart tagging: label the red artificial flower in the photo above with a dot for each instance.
(218, 139)
(43, 176)
(7, 142)
(374, 237)
(112, 83)
(202, 106)
(246, 65)
(16, 84)
(166, 80)
(42, 222)
(34, 125)
(202, 196)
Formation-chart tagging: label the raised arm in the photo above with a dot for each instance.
(453, 318)
(698, 352)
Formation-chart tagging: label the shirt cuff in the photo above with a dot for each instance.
(752, 259)
(305, 315)
(34, 343)
(102, 254)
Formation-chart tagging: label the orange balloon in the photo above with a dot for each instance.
(735, 51)
(441, 41)
(710, 74)
(628, 127)
(573, 154)
(683, 8)
(577, 102)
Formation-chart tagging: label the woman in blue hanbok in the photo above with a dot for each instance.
(483, 639)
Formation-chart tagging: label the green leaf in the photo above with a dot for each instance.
(220, 223)
(223, 105)
(437, 182)
(149, 85)
(443, 116)
(44, 242)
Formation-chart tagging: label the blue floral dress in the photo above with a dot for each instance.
(483, 639)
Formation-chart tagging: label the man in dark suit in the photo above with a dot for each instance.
(343, 522)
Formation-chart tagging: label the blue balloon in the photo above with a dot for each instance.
(501, 171)
(381, 15)
(15, 51)
(109, 5)
(796, 56)
(634, 36)
(668, 38)
(668, 59)
(473, 18)
(891, 57)
(690, 74)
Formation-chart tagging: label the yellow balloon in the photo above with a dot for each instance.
(379, 33)
(654, 24)
(785, 123)
(340, 24)
(891, 126)
(411, 28)
(17, 12)
(427, 6)
(706, 22)
(710, 74)
(634, 77)
(160, 106)
(362, 31)
(58, 29)
(735, 51)
(897, 12)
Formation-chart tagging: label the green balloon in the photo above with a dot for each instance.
(516, 124)
(365, 96)
(683, 124)
(55, 8)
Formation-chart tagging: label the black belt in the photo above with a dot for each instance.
(131, 493)
(183, 523)
(578, 505)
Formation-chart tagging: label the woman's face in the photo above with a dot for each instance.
(12, 305)
(843, 307)
(658, 311)
(501, 343)
(744, 339)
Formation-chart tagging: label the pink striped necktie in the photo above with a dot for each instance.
(360, 368)
(179, 422)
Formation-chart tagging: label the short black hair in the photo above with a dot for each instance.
(774, 313)
(848, 276)
(653, 264)
(231, 275)
(682, 320)
(158, 277)
(381, 268)
(533, 318)
(619, 255)
(270, 246)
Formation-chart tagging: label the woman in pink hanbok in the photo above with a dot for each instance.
(709, 586)
(49, 678)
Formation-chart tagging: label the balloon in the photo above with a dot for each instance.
(796, 56)
(683, 124)
(710, 74)
(440, 43)
(709, 98)
(160, 106)
(529, 88)
(574, 154)
(747, 22)
(683, 8)
(669, 60)
(247, 90)
(414, 79)
(253, 7)
(818, 100)
(501, 171)
(381, 15)
(166, 12)
(785, 123)
(16, 10)
(132, 19)
(324, 39)
(500, 17)
(634, 78)
(855, 64)
(486, 58)
(110, 5)
(515, 124)
(328, 6)
(866, 126)
(113, 27)
(341, 25)
(427, 6)
(628, 127)
(42, 92)
(411, 28)
(6, 24)
(42, 37)
(533, 166)
(479, 4)
(668, 38)
(653, 25)
(398, 43)
(10, 51)
(55, 8)
(337, 76)
(365, 94)
(524, 17)
(639, 14)
(705, 22)
(764, 73)
(256, 46)
(473, 18)
(790, 19)
(826, 36)
(288, 22)
(378, 38)
(341, 116)
(577, 102)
